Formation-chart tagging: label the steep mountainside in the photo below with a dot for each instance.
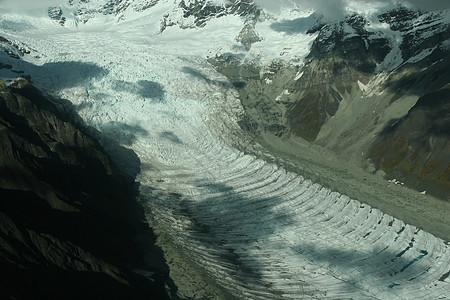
(67, 214)
(360, 77)
(182, 13)
(417, 146)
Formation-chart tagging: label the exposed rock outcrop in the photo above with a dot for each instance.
(342, 54)
(70, 226)
(356, 82)
(248, 36)
(56, 14)
(185, 13)
(416, 148)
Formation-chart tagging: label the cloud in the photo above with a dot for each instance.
(330, 10)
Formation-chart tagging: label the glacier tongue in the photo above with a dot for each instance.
(255, 229)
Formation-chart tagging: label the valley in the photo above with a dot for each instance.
(247, 199)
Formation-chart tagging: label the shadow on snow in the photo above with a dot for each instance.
(231, 225)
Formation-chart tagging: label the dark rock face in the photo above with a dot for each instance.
(248, 36)
(199, 12)
(342, 54)
(55, 13)
(356, 81)
(69, 222)
(416, 148)
(415, 27)
(202, 11)
(264, 112)
(346, 52)
(12, 49)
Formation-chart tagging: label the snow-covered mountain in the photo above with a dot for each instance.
(184, 13)
(261, 136)
(361, 75)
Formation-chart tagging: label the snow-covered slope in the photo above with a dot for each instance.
(253, 229)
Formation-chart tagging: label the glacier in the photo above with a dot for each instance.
(249, 225)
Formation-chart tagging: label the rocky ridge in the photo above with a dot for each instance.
(67, 214)
(358, 80)
(416, 147)
(182, 13)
